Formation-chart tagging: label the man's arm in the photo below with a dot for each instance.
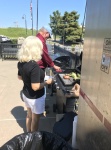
(46, 58)
(49, 61)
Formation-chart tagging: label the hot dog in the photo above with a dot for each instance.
(66, 76)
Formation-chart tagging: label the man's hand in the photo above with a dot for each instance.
(56, 67)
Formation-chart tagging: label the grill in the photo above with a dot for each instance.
(63, 62)
(63, 86)
(66, 82)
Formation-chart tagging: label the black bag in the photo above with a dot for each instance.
(25, 141)
(37, 141)
(64, 126)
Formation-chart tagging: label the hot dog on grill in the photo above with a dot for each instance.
(66, 76)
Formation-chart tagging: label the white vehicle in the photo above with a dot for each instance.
(4, 38)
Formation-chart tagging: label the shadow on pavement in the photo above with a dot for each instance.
(20, 115)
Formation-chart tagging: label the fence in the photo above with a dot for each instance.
(9, 51)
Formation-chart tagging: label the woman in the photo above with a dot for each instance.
(33, 79)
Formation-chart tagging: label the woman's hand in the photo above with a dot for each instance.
(49, 81)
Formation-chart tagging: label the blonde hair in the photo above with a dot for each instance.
(31, 49)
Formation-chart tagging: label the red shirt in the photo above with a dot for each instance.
(46, 60)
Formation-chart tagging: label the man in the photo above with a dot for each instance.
(46, 61)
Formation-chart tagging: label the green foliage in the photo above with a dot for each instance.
(14, 41)
(66, 26)
(14, 33)
(73, 47)
(55, 19)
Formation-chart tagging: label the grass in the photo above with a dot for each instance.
(14, 33)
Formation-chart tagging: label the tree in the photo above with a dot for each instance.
(54, 21)
(66, 26)
(71, 27)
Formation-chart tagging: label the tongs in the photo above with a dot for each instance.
(70, 91)
(67, 91)
(54, 76)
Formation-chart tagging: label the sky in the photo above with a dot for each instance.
(12, 12)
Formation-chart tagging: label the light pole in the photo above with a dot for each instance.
(83, 23)
(24, 17)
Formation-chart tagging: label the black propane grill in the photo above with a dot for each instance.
(61, 87)
(64, 84)
(63, 61)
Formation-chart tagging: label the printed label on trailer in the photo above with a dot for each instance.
(107, 45)
(105, 63)
(106, 56)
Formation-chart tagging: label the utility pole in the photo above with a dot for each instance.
(24, 17)
(31, 11)
(32, 23)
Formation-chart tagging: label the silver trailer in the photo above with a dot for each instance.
(94, 117)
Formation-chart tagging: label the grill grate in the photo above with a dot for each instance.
(66, 82)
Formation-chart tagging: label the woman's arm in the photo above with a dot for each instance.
(38, 86)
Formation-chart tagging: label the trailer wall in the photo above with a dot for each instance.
(94, 118)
